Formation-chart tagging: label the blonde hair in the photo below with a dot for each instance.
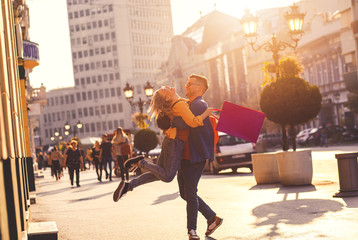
(159, 105)
(96, 143)
(118, 138)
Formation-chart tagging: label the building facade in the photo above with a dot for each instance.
(112, 43)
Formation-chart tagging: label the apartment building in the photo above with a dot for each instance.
(112, 43)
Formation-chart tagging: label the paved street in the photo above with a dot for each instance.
(155, 211)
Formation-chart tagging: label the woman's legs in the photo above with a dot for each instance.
(168, 161)
(121, 160)
(56, 168)
(96, 165)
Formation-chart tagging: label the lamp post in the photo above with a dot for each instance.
(75, 128)
(336, 98)
(295, 24)
(129, 93)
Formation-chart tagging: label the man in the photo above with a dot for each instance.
(73, 160)
(106, 154)
(199, 148)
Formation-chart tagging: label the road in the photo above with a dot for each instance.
(155, 211)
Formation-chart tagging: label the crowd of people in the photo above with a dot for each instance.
(100, 156)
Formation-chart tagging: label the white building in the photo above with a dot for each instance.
(113, 42)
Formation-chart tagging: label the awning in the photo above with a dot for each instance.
(31, 54)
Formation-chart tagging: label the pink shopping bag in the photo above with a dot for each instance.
(241, 122)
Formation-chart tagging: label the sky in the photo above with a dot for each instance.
(49, 28)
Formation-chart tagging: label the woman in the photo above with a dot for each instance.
(165, 101)
(73, 160)
(118, 140)
(54, 161)
(96, 154)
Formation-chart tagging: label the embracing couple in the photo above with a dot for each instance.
(188, 143)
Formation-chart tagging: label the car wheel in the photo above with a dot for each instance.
(234, 169)
(213, 170)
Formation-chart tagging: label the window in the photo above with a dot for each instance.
(89, 95)
(78, 96)
(87, 12)
(76, 14)
(82, 81)
(79, 112)
(49, 117)
(72, 98)
(103, 110)
(94, 24)
(85, 53)
(117, 76)
(85, 112)
(91, 112)
(70, 15)
(91, 52)
(87, 129)
(89, 26)
(104, 126)
(62, 101)
(108, 109)
(58, 116)
(106, 91)
(103, 50)
(116, 124)
(99, 78)
(101, 37)
(113, 35)
(95, 94)
(114, 108)
(93, 129)
(45, 118)
(120, 107)
(100, 23)
(84, 96)
(73, 114)
(101, 93)
(119, 91)
(68, 115)
(110, 125)
(56, 101)
(82, 13)
(79, 54)
(67, 99)
(94, 79)
(113, 92)
(95, 38)
(54, 117)
(88, 80)
(98, 126)
(96, 110)
(105, 22)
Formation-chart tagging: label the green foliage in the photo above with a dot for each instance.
(290, 101)
(145, 140)
(352, 102)
(140, 119)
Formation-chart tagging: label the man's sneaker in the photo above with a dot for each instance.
(213, 225)
(131, 161)
(121, 190)
(192, 235)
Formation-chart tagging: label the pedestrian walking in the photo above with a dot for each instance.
(73, 160)
(54, 161)
(121, 154)
(106, 155)
(96, 154)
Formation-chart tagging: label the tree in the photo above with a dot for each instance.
(290, 100)
(145, 140)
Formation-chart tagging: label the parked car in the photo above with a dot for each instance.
(270, 139)
(350, 134)
(303, 136)
(232, 152)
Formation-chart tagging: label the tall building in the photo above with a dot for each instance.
(114, 42)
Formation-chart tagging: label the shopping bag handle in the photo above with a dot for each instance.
(217, 110)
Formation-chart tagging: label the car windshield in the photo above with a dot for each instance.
(227, 140)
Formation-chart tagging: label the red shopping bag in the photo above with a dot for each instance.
(241, 122)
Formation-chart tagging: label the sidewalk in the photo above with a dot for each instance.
(155, 211)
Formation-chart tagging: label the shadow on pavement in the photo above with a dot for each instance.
(265, 186)
(286, 190)
(167, 197)
(351, 202)
(90, 198)
(298, 211)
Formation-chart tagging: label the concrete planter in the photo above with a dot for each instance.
(265, 168)
(295, 167)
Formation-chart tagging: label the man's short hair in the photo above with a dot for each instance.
(202, 80)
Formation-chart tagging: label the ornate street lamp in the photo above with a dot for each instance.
(75, 128)
(295, 24)
(129, 93)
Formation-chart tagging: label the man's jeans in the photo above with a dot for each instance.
(107, 160)
(188, 178)
(166, 167)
